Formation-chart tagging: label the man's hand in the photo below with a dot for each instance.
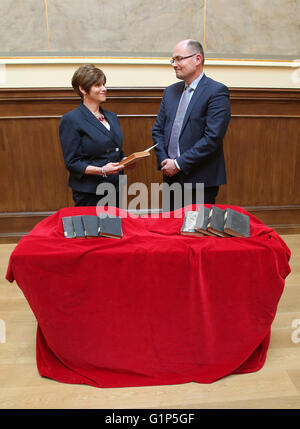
(169, 167)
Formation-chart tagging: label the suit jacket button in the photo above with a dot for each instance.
(107, 150)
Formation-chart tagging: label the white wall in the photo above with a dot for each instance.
(147, 73)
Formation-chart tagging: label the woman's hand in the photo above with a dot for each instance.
(107, 170)
(112, 168)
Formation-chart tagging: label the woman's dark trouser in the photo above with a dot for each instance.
(82, 199)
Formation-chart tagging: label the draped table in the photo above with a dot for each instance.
(154, 307)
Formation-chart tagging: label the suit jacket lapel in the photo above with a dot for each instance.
(114, 128)
(93, 120)
(197, 93)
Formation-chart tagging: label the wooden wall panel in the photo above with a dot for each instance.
(35, 177)
(262, 150)
(137, 137)
(262, 155)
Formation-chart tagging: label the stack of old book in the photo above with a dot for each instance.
(216, 222)
(88, 226)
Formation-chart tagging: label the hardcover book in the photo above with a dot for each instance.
(188, 224)
(216, 222)
(202, 221)
(111, 226)
(68, 227)
(91, 225)
(136, 156)
(78, 227)
(236, 224)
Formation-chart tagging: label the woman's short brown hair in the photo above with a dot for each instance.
(87, 76)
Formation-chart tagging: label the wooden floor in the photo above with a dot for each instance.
(277, 385)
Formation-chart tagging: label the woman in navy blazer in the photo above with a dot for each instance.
(91, 139)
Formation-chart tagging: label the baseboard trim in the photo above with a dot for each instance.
(283, 219)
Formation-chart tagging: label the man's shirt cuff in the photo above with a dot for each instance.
(176, 163)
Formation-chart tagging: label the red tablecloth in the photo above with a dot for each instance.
(152, 308)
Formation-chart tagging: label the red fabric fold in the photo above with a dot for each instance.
(154, 307)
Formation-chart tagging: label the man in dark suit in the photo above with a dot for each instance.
(190, 126)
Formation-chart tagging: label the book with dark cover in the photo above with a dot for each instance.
(68, 227)
(111, 226)
(216, 222)
(78, 227)
(202, 221)
(188, 224)
(236, 224)
(91, 225)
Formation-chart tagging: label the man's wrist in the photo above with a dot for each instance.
(103, 172)
(176, 164)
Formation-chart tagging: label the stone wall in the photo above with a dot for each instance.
(150, 28)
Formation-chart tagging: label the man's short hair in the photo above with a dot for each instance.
(86, 76)
(196, 47)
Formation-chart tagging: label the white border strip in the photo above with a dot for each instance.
(145, 61)
(2, 74)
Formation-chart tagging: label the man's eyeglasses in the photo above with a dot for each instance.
(179, 59)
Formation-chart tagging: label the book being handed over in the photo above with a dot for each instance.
(136, 156)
